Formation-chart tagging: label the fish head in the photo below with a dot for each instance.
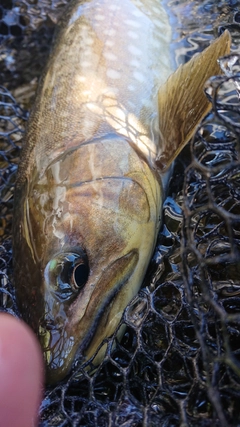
(74, 313)
(81, 251)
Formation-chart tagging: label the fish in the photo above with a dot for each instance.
(110, 116)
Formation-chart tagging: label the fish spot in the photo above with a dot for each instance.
(80, 79)
(155, 43)
(138, 3)
(135, 63)
(158, 24)
(134, 50)
(131, 88)
(89, 40)
(133, 23)
(113, 7)
(137, 13)
(86, 64)
(110, 91)
(148, 104)
(94, 108)
(116, 117)
(84, 27)
(109, 55)
(109, 32)
(63, 114)
(113, 74)
(156, 10)
(139, 76)
(99, 17)
(58, 233)
(86, 92)
(87, 52)
(132, 34)
(109, 43)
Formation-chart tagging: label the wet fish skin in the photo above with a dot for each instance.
(88, 195)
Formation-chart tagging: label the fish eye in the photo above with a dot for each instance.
(67, 273)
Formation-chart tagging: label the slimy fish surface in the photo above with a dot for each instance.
(109, 118)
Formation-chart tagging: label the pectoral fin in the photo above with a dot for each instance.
(182, 102)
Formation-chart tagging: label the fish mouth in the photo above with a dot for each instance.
(65, 341)
(56, 349)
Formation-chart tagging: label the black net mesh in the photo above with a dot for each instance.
(178, 362)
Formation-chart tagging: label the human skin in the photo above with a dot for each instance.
(21, 374)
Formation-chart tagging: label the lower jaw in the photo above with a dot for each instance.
(58, 360)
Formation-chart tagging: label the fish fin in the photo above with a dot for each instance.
(182, 102)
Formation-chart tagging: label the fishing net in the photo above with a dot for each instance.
(178, 362)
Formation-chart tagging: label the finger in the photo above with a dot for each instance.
(21, 374)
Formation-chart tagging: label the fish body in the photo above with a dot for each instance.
(89, 191)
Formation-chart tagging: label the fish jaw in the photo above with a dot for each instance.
(68, 335)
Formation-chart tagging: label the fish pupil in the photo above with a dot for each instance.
(80, 275)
